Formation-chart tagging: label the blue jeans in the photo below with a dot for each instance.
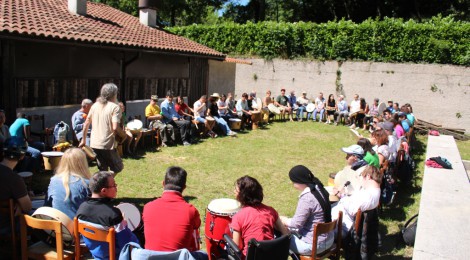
(222, 124)
(300, 247)
(200, 119)
(315, 114)
(200, 255)
(300, 112)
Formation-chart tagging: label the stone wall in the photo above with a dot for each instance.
(438, 93)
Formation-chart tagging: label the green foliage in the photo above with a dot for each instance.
(439, 40)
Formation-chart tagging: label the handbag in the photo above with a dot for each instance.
(408, 232)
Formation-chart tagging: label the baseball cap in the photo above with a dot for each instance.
(353, 149)
(14, 148)
(387, 126)
(154, 97)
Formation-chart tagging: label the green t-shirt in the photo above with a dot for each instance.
(372, 159)
(282, 100)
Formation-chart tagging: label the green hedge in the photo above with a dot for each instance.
(439, 40)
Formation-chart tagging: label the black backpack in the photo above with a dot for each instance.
(408, 233)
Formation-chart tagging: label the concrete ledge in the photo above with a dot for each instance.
(443, 229)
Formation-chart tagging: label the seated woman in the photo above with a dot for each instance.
(69, 186)
(254, 220)
(364, 199)
(379, 139)
(313, 207)
(370, 156)
(213, 111)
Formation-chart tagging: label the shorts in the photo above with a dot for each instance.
(108, 160)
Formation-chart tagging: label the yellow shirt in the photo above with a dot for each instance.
(152, 110)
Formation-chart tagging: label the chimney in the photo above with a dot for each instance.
(77, 7)
(148, 12)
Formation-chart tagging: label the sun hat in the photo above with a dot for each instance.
(216, 95)
(154, 97)
(353, 149)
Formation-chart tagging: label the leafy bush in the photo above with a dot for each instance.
(439, 40)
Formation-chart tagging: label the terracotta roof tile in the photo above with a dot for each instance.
(234, 60)
(102, 24)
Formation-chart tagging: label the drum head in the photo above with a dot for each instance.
(52, 154)
(224, 206)
(382, 108)
(135, 124)
(235, 119)
(274, 109)
(49, 213)
(131, 214)
(310, 107)
(209, 118)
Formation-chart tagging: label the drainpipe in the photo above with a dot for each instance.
(122, 73)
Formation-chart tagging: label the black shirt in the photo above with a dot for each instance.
(100, 211)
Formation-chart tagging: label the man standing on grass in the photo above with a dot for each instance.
(105, 115)
(169, 221)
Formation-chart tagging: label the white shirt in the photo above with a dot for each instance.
(201, 112)
(221, 103)
(355, 106)
(363, 199)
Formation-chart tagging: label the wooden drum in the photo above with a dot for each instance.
(51, 160)
(256, 117)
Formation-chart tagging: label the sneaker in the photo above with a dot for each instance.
(186, 143)
(336, 123)
(164, 144)
(231, 133)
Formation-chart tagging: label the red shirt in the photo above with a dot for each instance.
(255, 222)
(169, 223)
(181, 108)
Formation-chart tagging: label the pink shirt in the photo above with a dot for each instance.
(254, 222)
(399, 132)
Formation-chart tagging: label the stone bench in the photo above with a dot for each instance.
(443, 224)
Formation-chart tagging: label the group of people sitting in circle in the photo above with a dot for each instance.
(169, 221)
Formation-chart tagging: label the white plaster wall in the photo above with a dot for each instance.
(221, 77)
(402, 83)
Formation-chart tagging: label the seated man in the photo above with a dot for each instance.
(302, 103)
(319, 107)
(366, 198)
(213, 111)
(243, 111)
(170, 223)
(78, 120)
(283, 103)
(11, 184)
(21, 130)
(341, 110)
(154, 117)
(347, 181)
(171, 117)
(200, 112)
(131, 137)
(355, 107)
(100, 212)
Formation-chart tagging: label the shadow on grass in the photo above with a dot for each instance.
(140, 202)
(397, 212)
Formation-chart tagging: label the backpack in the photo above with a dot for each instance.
(408, 233)
(405, 166)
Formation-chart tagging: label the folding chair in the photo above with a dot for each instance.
(276, 249)
(41, 250)
(334, 250)
(96, 234)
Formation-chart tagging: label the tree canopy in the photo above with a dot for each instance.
(186, 12)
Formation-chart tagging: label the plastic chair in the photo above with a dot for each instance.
(41, 250)
(96, 234)
(7, 211)
(276, 249)
(324, 228)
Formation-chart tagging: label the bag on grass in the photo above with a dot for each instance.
(408, 233)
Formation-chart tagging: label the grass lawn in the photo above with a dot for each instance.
(464, 149)
(268, 155)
